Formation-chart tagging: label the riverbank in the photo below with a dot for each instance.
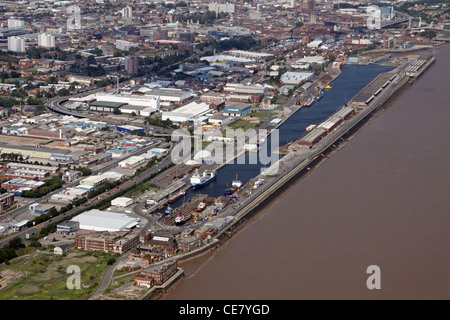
(253, 207)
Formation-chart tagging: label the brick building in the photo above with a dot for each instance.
(110, 242)
(160, 273)
(6, 200)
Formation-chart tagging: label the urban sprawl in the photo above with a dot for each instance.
(92, 91)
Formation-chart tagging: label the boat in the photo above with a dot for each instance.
(169, 210)
(236, 183)
(228, 190)
(320, 95)
(310, 102)
(201, 206)
(181, 219)
(199, 181)
(328, 87)
(176, 197)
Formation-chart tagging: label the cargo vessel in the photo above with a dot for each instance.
(199, 181)
(176, 197)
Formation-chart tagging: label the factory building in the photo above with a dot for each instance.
(148, 101)
(94, 181)
(192, 111)
(129, 129)
(20, 184)
(122, 202)
(237, 110)
(160, 273)
(132, 162)
(295, 78)
(117, 242)
(97, 220)
(67, 227)
(312, 137)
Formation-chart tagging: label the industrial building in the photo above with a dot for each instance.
(93, 181)
(97, 220)
(129, 128)
(132, 162)
(295, 78)
(312, 137)
(122, 202)
(19, 184)
(193, 111)
(146, 100)
(160, 273)
(237, 109)
(67, 227)
(117, 242)
(43, 208)
(37, 152)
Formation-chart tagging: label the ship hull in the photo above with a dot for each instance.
(200, 185)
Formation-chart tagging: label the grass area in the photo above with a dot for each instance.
(262, 115)
(140, 189)
(46, 276)
(243, 124)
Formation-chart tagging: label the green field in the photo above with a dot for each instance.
(46, 276)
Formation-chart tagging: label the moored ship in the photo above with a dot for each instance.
(199, 181)
(176, 197)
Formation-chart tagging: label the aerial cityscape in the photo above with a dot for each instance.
(177, 150)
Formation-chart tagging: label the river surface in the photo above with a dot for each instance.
(383, 199)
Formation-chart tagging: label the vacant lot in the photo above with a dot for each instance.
(46, 276)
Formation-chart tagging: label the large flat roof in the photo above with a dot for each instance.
(105, 221)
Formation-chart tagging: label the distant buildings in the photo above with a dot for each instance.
(46, 40)
(125, 45)
(127, 12)
(221, 7)
(131, 65)
(6, 200)
(16, 44)
(15, 23)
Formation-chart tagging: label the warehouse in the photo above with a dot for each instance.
(43, 209)
(237, 109)
(105, 106)
(32, 151)
(97, 220)
(93, 181)
(132, 162)
(129, 129)
(148, 101)
(312, 137)
(64, 198)
(295, 78)
(121, 202)
(24, 184)
(189, 112)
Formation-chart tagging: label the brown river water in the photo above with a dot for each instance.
(383, 199)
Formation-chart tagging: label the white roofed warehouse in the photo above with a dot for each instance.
(97, 220)
(122, 202)
(132, 162)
